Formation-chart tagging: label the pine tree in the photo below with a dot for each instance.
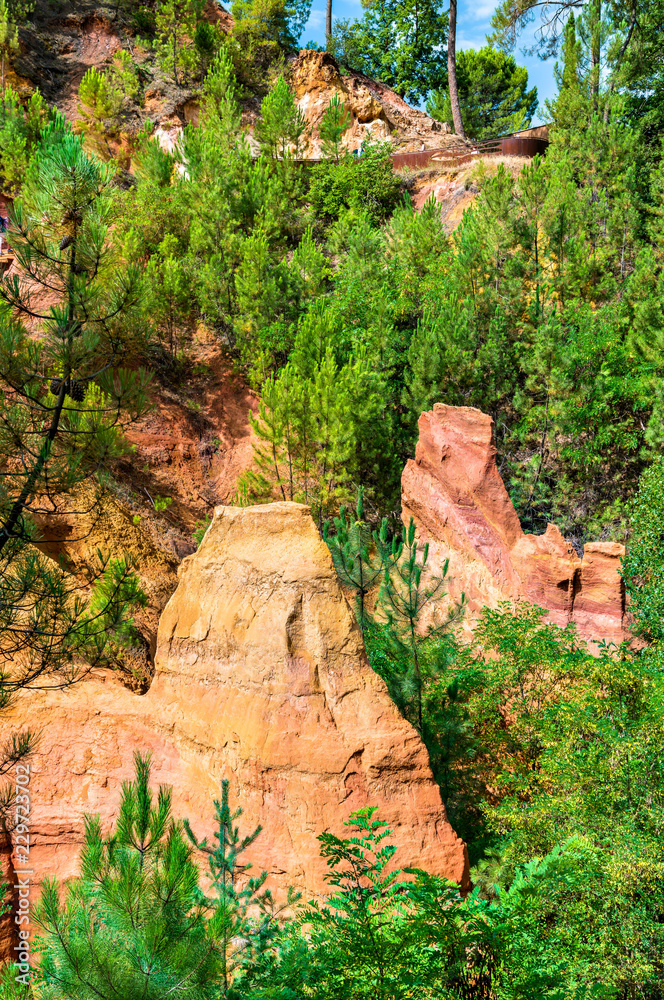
(8, 40)
(533, 192)
(282, 124)
(65, 401)
(334, 123)
(133, 924)
(358, 553)
(406, 598)
(571, 105)
(176, 25)
(493, 95)
(313, 429)
(268, 426)
(310, 266)
(220, 117)
(167, 294)
(244, 919)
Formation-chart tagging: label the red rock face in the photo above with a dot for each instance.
(261, 677)
(460, 504)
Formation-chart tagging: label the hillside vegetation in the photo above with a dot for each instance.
(348, 313)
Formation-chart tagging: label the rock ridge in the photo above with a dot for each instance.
(453, 490)
(261, 678)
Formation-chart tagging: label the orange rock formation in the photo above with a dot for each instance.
(260, 677)
(372, 107)
(454, 492)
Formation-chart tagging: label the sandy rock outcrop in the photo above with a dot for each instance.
(454, 492)
(316, 80)
(261, 677)
(373, 108)
(451, 195)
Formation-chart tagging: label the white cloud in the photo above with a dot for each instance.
(481, 11)
(466, 42)
(316, 21)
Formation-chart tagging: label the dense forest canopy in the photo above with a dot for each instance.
(350, 313)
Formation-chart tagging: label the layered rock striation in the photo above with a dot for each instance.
(260, 677)
(454, 492)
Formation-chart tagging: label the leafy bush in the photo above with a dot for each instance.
(363, 183)
(279, 21)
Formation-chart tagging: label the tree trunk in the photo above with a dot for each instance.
(595, 49)
(328, 25)
(451, 72)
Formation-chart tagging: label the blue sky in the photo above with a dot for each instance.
(473, 24)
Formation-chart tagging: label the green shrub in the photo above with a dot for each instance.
(200, 529)
(102, 92)
(365, 182)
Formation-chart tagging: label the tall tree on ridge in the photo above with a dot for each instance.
(493, 94)
(595, 49)
(328, 25)
(451, 71)
(400, 42)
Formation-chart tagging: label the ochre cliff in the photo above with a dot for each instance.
(373, 108)
(454, 492)
(260, 677)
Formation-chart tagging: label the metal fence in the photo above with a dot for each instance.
(509, 145)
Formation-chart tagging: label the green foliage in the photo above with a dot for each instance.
(97, 94)
(359, 555)
(8, 36)
(410, 590)
(282, 124)
(167, 293)
(162, 503)
(351, 313)
(642, 566)
(401, 42)
(61, 236)
(492, 94)
(201, 528)
(102, 93)
(20, 10)
(383, 935)
(518, 324)
(359, 183)
(334, 123)
(363, 920)
(177, 23)
(133, 923)
(153, 165)
(10, 987)
(311, 421)
(244, 921)
(277, 21)
(565, 746)
(20, 131)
